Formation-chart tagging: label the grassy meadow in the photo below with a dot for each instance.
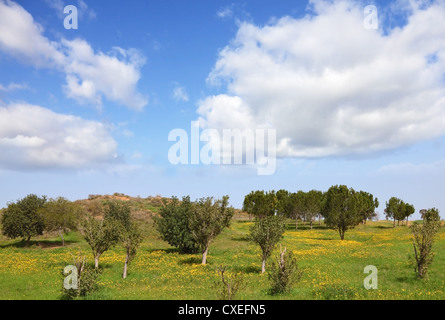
(332, 269)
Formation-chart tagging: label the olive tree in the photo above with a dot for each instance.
(101, 235)
(208, 220)
(131, 238)
(266, 233)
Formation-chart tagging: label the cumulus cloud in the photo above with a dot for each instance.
(331, 87)
(90, 75)
(33, 137)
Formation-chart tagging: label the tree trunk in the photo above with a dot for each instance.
(311, 223)
(263, 265)
(63, 240)
(28, 241)
(127, 258)
(204, 255)
(96, 261)
(394, 223)
(296, 222)
(342, 234)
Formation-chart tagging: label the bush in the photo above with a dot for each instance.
(228, 286)
(173, 224)
(423, 240)
(87, 277)
(284, 273)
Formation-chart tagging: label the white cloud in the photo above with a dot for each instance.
(93, 75)
(331, 87)
(180, 94)
(90, 75)
(225, 12)
(13, 86)
(22, 38)
(33, 137)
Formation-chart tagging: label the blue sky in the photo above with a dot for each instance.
(89, 110)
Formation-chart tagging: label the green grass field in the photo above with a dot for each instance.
(333, 269)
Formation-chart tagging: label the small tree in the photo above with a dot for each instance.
(398, 210)
(313, 201)
(101, 235)
(173, 224)
(61, 215)
(368, 204)
(131, 239)
(423, 240)
(284, 272)
(267, 232)
(297, 206)
(208, 220)
(341, 209)
(21, 219)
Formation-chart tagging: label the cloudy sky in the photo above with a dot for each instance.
(355, 96)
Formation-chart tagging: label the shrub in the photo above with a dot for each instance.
(228, 286)
(423, 240)
(284, 272)
(87, 277)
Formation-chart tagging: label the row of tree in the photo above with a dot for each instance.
(340, 207)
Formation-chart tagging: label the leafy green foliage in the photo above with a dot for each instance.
(260, 204)
(118, 211)
(101, 235)
(267, 232)
(21, 219)
(341, 209)
(61, 215)
(397, 209)
(313, 202)
(430, 215)
(173, 224)
(368, 204)
(131, 238)
(208, 220)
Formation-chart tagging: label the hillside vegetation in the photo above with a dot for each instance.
(332, 268)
